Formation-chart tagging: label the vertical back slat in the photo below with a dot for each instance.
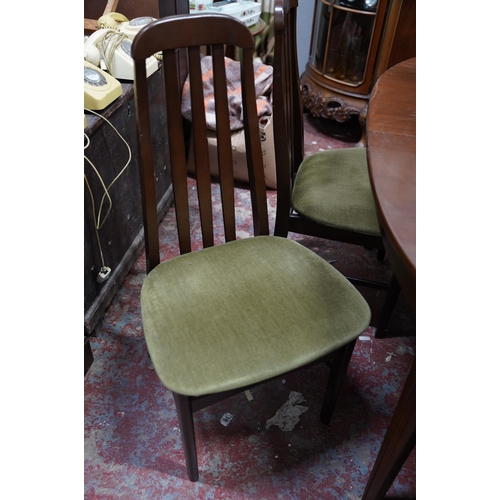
(281, 127)
(224, 150)
(252, 145)
(288, 120)
(200, 146)
(177, 149)
(297, 118)
(146, 171)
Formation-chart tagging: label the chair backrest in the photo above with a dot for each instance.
(287, 108)
(191, 34)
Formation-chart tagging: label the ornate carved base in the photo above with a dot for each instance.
(325, 103)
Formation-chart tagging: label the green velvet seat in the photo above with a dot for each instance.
(243, 312)
(333, 188)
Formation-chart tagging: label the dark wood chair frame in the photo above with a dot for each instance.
(194, 32)
(289, 145)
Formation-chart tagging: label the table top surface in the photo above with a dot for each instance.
(391, 149)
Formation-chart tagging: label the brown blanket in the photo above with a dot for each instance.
(263, 81)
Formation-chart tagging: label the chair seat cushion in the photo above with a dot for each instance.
(333, 188)
(239, 313)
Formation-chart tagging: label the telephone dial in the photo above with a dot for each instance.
(131, 28)
(100, 88)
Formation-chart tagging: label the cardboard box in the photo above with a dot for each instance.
(239, 153)
(247, 12)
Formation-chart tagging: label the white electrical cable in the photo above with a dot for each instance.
(97, 219)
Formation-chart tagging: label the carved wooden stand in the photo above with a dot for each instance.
(352, 43)
(325, 103)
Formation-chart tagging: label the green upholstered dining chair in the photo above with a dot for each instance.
(328, 194)
(234, 314)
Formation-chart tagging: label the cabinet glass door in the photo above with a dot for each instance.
(341, 39)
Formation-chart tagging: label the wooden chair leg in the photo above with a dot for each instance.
(89, 356)
(186, 424)
(338, 369)
(388, 307)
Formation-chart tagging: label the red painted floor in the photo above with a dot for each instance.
(132, 440)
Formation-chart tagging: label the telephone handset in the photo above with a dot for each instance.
(131, 28)
(117, 21)
(112, 49)
(111, 20)
(100, 88)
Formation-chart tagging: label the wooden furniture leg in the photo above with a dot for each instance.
(397, 444)
(89, 356)
(338, 369)
(388, 307)
(186, 424)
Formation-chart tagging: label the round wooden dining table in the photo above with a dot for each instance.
(391, 150)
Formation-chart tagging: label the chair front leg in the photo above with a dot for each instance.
(338, 369)
(186, 424)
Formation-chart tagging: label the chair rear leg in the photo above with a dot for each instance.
(388, 307)
(186, 424)
(338, 369)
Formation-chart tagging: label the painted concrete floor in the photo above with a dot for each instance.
(132, 441)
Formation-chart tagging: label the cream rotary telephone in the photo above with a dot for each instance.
(117, 21)
(110, 49)
(100, 89)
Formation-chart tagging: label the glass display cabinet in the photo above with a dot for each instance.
(352, 43)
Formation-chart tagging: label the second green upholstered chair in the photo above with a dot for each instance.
(328, 194)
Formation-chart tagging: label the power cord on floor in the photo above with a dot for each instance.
(105, 270)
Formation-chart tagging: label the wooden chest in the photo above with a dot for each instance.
(121, 235)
